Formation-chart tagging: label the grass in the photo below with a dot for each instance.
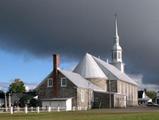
(87, 115)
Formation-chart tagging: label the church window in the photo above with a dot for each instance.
(63, 82)
(114, 55)
(119, 55)
(49, 82)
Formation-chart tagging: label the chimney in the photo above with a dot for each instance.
(56, 65)
(56, 61)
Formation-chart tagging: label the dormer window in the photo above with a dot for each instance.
(63, 82)
(49, 82)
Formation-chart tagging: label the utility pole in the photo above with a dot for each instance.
(9, 99)
(5, 100)
(110, 102)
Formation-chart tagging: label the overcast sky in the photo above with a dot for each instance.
(39, 28)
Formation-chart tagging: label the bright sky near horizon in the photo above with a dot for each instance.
(30, 69)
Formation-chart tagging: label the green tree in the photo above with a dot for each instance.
(17, 86)
(28, 99)
(1, 94)
(151, 94)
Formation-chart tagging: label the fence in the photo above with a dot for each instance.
(26, 109)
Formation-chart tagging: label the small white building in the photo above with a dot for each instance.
(143, 98)
(61, 103)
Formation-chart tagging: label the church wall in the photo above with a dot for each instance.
(84, 99)
(129, 90)
(135, 96)
(119, 101)
(102, 83)
(102, 100)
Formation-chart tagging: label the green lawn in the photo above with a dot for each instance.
(88, 115)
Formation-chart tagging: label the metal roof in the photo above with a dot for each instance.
(88, 68)
(79, 81)
(112, 72)
(93, 67)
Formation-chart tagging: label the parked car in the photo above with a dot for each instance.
(152, 104)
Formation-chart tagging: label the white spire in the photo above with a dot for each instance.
(116, 36)
(117, 50)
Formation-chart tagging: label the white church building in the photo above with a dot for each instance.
(94, 83)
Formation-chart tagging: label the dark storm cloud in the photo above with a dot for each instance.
(73, 27)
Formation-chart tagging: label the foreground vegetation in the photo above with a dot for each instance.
(88, 115)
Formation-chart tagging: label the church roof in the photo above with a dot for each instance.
(79, 81)
(93, 67)
(112, 72)
(88, 68)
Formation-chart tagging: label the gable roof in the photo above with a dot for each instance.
(76, 79)
(112, 72)
(93, 67)
(88, 68)
(79, 81)
(42, 82)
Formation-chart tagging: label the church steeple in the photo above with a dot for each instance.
(117, 50)
(116, 36)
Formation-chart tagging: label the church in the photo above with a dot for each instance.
(94, 83)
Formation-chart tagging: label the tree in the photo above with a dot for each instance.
(34, 102)
(1, 94)
(28, 99)
(24, 100)
(17, 86)
(151, 94)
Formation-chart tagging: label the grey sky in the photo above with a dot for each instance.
(73, 27)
